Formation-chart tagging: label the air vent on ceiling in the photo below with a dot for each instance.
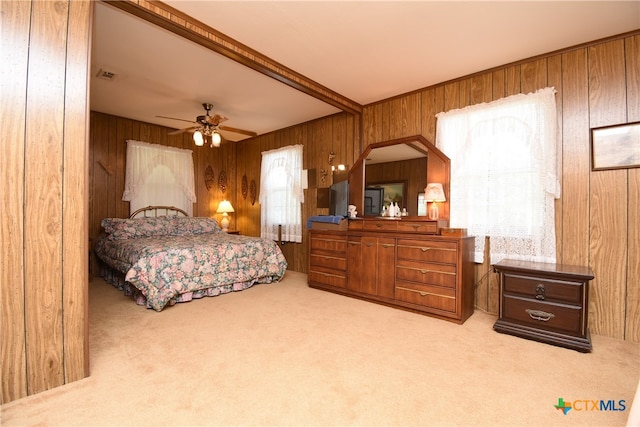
(106, 75)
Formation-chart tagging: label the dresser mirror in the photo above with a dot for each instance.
(402, 167)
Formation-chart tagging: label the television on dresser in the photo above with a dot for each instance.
(339, 199)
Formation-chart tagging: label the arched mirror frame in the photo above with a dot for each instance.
(438, 170)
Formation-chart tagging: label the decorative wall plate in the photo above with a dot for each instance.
(245, 186)
(209, 177)
(222, 181)
(252, 192)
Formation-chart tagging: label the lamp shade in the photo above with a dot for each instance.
(198, 138)
(434, 193)
(225, 207)
(216, 139)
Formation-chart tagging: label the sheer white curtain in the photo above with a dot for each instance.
(159, 175)
(504, 174)
(281, 193)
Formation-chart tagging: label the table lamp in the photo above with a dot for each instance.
(434, 193)
(224, 208)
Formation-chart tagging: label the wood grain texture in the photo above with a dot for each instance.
(43, 195)
(75, 210)
(575, 155)
(608, 195)
(14, 42)
(632, 324)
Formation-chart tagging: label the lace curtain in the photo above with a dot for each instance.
(281, 194)
(504, 174)
(158, 175)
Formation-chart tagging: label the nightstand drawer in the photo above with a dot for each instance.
(426, 273)
(565, 319)
(543, 289)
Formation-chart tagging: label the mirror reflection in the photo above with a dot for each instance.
(395, 174)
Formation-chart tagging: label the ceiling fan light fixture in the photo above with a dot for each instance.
(216, 139)
(198, 139)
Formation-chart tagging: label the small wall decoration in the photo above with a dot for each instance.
(222, 181)
(209, 177)
(252, 192)
(615, 147)
(245, 186)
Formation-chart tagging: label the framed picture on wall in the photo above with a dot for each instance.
(615, 147)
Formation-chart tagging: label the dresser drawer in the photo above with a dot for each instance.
(425, 295)
(428, 251)
(381, 225)
(328, 245)
(425, 227)
(426, 273)
(332, 262)
(331, 279)
(543, 289)
(565, 319)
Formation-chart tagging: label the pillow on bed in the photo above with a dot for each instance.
(195, 225)
(125, 228)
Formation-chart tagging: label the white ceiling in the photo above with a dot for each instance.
(365, 50)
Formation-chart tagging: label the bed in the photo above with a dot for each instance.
(160, 256)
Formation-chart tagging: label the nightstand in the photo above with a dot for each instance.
(545, 302)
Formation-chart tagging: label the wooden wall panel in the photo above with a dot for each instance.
(608, 195)
(43, 320)
(632, 325)
(43, 196)
(75, 221)
(15, 48)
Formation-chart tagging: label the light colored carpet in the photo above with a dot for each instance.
(285, 354)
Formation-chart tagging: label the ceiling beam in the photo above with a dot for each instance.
(186, 26)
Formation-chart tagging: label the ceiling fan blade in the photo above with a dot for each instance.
(175, 118)
(176, 132)
(216, 119)
(236, 130)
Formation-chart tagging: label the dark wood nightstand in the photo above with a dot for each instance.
(545, 302)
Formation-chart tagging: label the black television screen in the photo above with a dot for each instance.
(339, 199)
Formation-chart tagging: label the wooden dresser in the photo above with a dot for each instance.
(402, 263)
(545, 302)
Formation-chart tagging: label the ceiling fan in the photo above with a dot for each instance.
(208, 126)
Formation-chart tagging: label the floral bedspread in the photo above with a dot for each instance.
(165, 267)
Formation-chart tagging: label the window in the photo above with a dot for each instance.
(504, 174)
(159, 175)
(281, 194)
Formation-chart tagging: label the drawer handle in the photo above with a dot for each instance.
(540, 294)
(415, 226)
(387, 245)
(424, 294)
(424, 249)
(378, 225)
(369, 244)
(540, 315)
(425, 271)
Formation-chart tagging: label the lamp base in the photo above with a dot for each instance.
(433, 211)
(224, 223)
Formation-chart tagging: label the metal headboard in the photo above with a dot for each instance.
(155, 211)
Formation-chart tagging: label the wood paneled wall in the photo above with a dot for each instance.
(44, 329)
(597, 215)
